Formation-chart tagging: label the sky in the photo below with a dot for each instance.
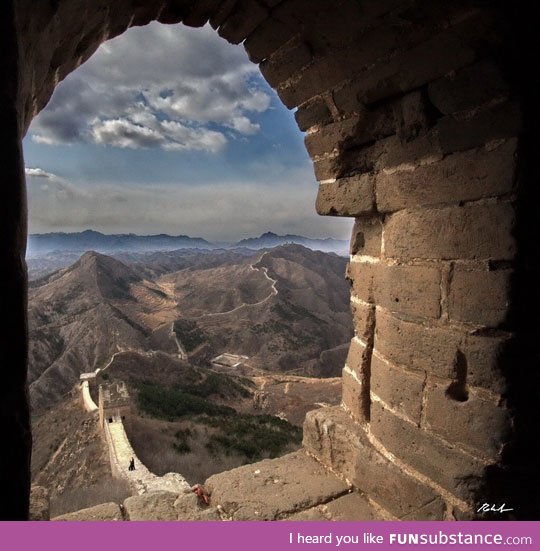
(169, 129)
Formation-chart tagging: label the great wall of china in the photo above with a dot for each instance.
(115, 408)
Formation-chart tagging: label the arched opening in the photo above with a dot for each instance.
(137, 174)
(412, 118)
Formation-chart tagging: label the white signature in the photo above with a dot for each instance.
(491, 508)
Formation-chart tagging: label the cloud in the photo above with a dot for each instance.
(146, 132)
(217, 211)
(38, 173)
(170, 87)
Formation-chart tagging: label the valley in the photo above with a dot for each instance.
(159, 321)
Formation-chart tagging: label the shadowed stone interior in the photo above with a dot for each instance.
(422, 124)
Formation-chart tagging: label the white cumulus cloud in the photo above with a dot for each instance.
(158, 86)
(38, 173)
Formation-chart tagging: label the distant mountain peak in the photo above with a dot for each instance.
(270, 239)
(110, 243)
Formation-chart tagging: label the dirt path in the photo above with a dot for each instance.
(274, 292)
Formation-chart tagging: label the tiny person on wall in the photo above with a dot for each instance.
(132, 464)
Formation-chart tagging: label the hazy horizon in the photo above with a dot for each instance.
(196, 144)
(92, 230)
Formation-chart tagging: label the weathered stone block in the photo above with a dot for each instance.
(274, 488)
(358, 358)
(399, 389)
(243, 19)
(498, 123)
(175, 11)
(435, 350)
(414, 345)
(355, 131)
(352, 162)
(480, 297)
(412, 290)
(454, 470)
(355, 396)
(364, 320)
(455, 47)
(286, 61)
(313, 113)
(268, 37)
(487, 358)
(471, 232)
(328, 71)
(350, 507)
(352, 196)
(103, 512)
(188, 507)
(477, 424)
(334, 136)
(468, 88)
(200, 12)
(434, 510)
(341, 443)
(366, 236)
(396, 154)
(412, 116)
(464, 176)
(151, 506)
(224, 10)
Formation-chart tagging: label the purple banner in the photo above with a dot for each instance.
(265, 536)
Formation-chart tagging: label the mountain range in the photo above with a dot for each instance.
(223, 353)
(46, 243)
(286, 309)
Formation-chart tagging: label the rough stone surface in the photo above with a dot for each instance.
(487, 125)
(355, 396)
(151, 506)
(366, 237)
(358, 358)
(242, 21)
(412, 290)
(350, 507)
(480, 297)
(453, 469)
(400, 390)
(434, 510)
(412, 116)
(352, 132)
(189, 507)
(364, 320)
(477, 423)
(286, 61)
(106, 511)
(462, 176)
(346, 197)
(436, 350)
(467, 88)
(473, 232)
(39, 503)
(315, 112)
(332, 435)
(274, 488)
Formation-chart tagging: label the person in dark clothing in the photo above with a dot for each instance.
(132, 464)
